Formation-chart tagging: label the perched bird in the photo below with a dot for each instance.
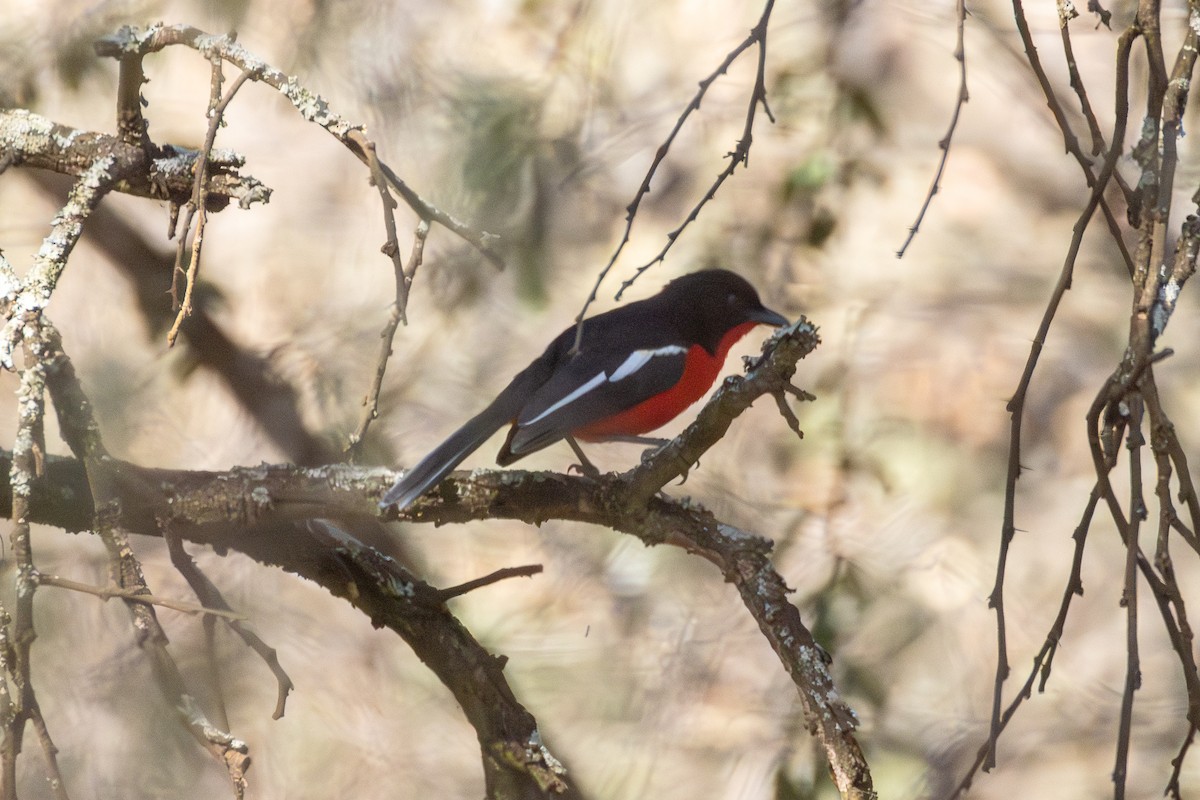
(637, 367)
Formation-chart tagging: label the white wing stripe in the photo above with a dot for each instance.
(636, 360)
(639, 358)
(571, 398)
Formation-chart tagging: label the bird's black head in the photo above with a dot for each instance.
(714, 302)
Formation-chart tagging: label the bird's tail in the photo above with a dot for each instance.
(445, 457)
(467, 439)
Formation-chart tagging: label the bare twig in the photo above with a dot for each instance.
(391, 246)
(1070, 140)
(487, 580)
(311, 106)
(211, 597)
(25, 706)
(740, 155)
(1129, 597)
(198, 205)
(1066, 13)
(960, 55)
(404, 276)
(1173, 790)
(1016, 405)
(109, 592)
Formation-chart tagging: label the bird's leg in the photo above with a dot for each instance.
(584, 466)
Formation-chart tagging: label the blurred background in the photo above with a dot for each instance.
(537, 121)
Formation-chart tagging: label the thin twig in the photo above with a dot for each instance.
(31, 407)
(198, 204)
(1066, 13)
(757, 35)
(404, 276)
(1170, 597)
(960, 55)
(310, 105)
(1133, 672)
(211, 597)
(109, 592)
(391, 245)
(1016, 406)
(1043, 661)
(1173, 790)
(527, 571)
(1070, 140)
(739, 156)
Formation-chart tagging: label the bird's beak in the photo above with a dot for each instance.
(768, 317)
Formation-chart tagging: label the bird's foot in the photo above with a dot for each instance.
(585, 467)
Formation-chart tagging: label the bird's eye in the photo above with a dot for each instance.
(731, 300)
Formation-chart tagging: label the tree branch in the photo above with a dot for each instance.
(34, 141)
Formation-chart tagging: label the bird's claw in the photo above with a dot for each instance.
(586, 469)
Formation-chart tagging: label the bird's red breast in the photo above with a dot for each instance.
(699, 371)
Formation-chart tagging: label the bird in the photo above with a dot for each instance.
(636, 368)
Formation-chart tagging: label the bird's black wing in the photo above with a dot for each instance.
(597, 383)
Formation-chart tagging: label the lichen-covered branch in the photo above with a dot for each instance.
(258, 511)
(32, 140)
(311, 106)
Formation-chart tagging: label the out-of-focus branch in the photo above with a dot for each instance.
(28, 455)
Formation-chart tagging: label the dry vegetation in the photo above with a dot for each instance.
(537, 122)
